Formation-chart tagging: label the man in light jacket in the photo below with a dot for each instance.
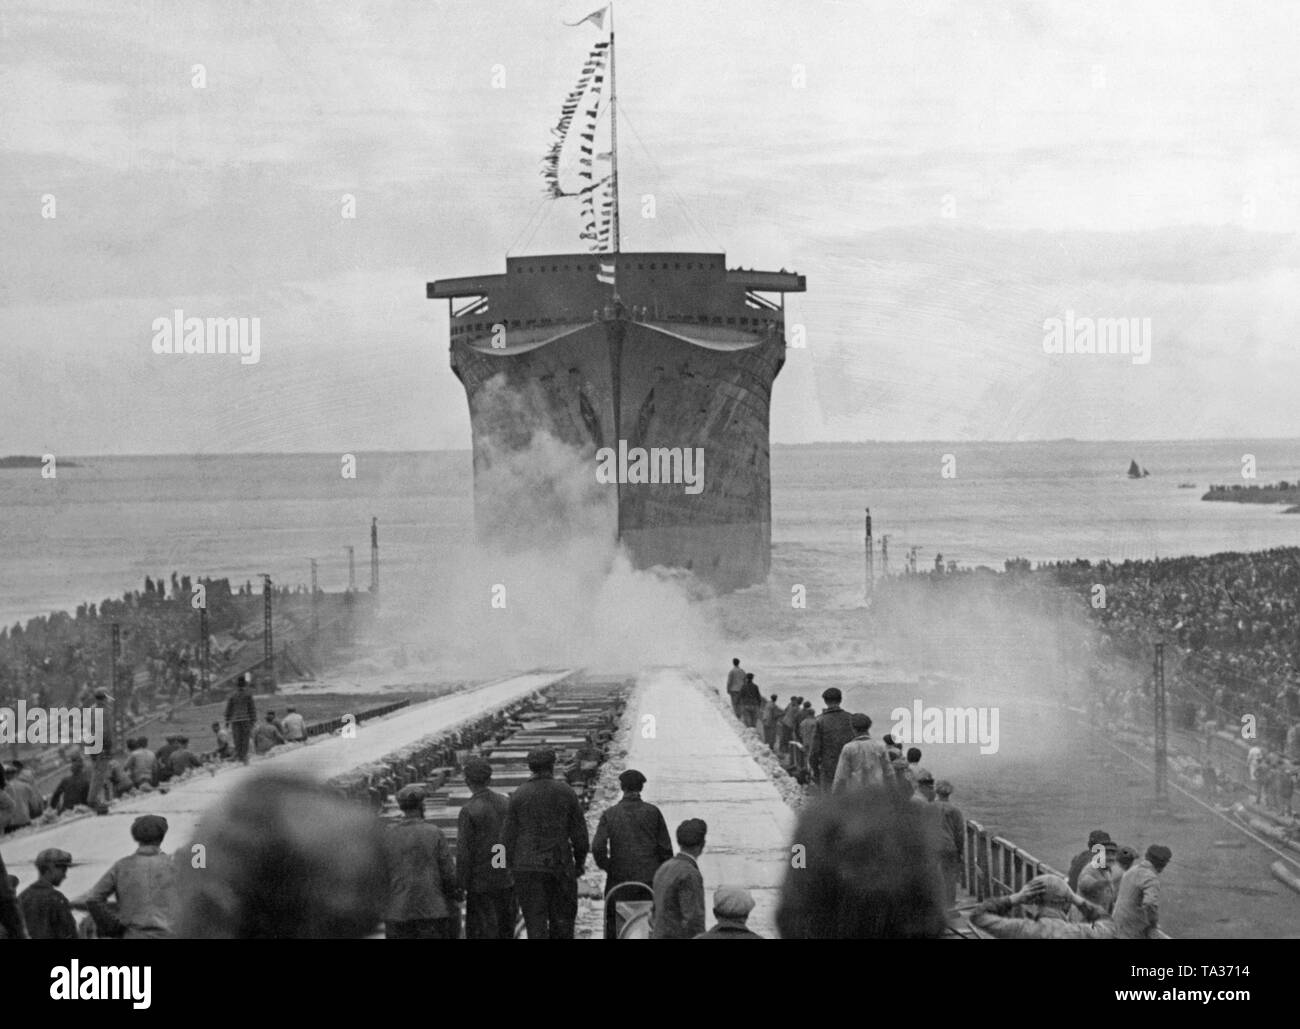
(862, 762)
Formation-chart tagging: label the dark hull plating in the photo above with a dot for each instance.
(679, 361)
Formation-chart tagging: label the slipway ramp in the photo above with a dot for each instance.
(697, 767)
(96, 841)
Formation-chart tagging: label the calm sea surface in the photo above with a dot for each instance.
(100, 528)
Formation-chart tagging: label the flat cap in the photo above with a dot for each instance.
(631, 779)
(149, 828)
(943, 787)
(860, 722)
(1159, 855)
(52, 856)
(1098, 836)
(477, 769)
(541, 757)
(732, 902)
(410, 796)
(1056, 891)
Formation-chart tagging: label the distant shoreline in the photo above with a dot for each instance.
(1274, 493)
(27, 461)
(776, 445)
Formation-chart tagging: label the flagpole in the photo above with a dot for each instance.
(613, 133)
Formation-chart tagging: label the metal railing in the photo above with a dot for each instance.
(995, 867)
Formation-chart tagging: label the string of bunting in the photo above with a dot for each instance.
(589, 85)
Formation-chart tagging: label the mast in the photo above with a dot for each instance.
(613, 136)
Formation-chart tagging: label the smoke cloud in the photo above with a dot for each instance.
(547, 583)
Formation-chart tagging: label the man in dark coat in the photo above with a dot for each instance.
(422, 875)
(490, 908)
(45, 909)
(163, 758)
(833, 730)
(73, 788)
(1095, 838)
(751, 700)
(241, 716)
(11, 919)
(631, 842)
(546, 842)
(679, 887)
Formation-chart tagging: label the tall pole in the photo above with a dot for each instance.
(116, 650)
(268, 640)
(1161, 724)
(613, 141)
(884, 555)
(315, 614)
(374, 555)
(871, 557)
(352, 569)
(204, 648)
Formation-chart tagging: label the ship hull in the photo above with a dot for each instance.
(645, 387)
(631, 378)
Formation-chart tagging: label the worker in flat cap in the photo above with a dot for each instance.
(1046, 900)
(44, 908)
(491, 911)
(144, 884)
(1097, 838)
(241, 717)
(545, 836)
(679, 887)
(421, 875)
(1137, 900)
(731, 907)
(630, 844)
(952, 840)
(1100, 879)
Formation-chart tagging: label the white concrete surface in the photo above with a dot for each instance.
(96, 841)
(697, 767)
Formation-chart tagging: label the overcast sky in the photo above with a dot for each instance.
(948, 175)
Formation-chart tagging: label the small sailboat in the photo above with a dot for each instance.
(1134, 472)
